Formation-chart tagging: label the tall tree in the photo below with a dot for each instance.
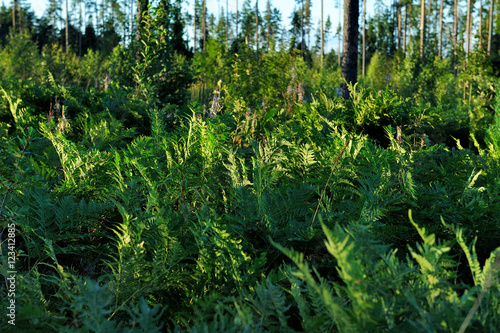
(257, 28)
(272, 20)
(176, 33)
(19, 16)
(307, 22)
(440, 47)
(339, 31)
(14, 6)
(322, 36)
(302, 31)
(80, 23)
(422, 27)
(194, 28)
(405, 28)
(398, 14)
(67, 26)
(267, 19)
(295, 30)
(480, 32)
(468, 28)
(132, 21)
(350, 55)
(364, 40)
(204, 23)
(248, 21)
(227, 24)
(54, 13)
(455, 36)
(490, 24)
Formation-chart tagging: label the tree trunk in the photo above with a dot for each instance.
(204, 24)
(441, 29)
(268, 23)
(480, 32)
(257, 28)
(322, 36)
(227, 23)
(54, 24)
(303, 32)
(398, 13)
(97, 14)
(80, 31)
(490, 28)
(67, 27)
(132, 20)
(14, 5)
(422, 27)
(350, 53)
(194, 29)
(339, 30)
(405, 30)
(364, 40)
(467, 28)
(455, 36)
(20, 19)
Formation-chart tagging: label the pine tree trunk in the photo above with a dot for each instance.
(20, 19)
(257, 28)
(455, 37)
(80, 32)
(227, 22)
(133, 24)
(490, 28)
(67, 27)
(268, 23)
(339, 31)
(398, 13)
(364, 40)
(350, 53)
(204, 24)
(322, 36)
(14, 5)
(467, 28)
(441, 29)
(422, 28)
(194, 28)
(405, 29)
(303, 32)
(480, 32)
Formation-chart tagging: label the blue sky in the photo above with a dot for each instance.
(285, 6)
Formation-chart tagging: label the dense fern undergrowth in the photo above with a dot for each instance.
(305, 213)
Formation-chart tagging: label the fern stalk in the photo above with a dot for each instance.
(329, 177)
